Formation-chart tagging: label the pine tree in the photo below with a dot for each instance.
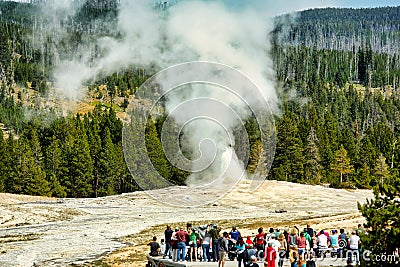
(381, 170)
(109, 165)
(138, 157)
(32, 179)
(36, 147)
(3, 164)
(364, 178)
(341, 164)
(11, 174)
(54, 168)
(80, 166)
(92, 125)
(367, 153)
(312, 166)
(382, 215)
(155, 150)
(289, 158)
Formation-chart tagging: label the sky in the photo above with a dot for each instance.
(366, 3)
(280, 7)
(306, 4)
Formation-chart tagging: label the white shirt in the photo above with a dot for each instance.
(354, 239)
(162, 247)
(322, 241)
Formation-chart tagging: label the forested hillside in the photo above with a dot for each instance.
(344, 129)
(343, 28)
(338, 76)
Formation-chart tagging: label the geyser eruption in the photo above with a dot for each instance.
(207, 105)
(209, 101)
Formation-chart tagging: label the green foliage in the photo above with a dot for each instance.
(382, 216)
(155, 150)
(350, 83)
(289, 159)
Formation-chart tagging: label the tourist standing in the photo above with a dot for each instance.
(205, 245)
(282, 249)
(222, 248)
(234, 233)
(301, 244)
(270, 255)
(168, 235)
(240, 248)
(181, 237)
(215, 235)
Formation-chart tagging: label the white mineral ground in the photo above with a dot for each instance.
(60, 232)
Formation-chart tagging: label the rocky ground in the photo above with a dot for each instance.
(114, 230)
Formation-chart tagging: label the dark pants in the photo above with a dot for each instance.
(240, 258)
(215, 250)
(168, 248)
(282, 255)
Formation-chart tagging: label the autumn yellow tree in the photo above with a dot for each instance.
(341, 163)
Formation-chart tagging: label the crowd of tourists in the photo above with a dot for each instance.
(208, 244)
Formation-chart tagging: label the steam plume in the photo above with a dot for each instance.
(235, 35)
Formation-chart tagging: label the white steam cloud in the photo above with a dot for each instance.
(191, 30)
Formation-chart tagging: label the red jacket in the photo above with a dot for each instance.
(260, 239)
(270, 256)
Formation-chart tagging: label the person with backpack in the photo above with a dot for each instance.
(307, 236)
(309, 230)
(222, 248)
(248, 253)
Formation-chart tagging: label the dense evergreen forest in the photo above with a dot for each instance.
(338, 81)
(345, 130)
